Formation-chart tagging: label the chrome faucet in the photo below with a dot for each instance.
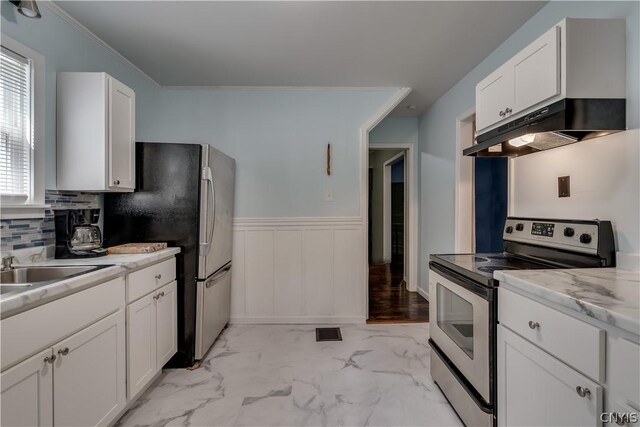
(7, 262)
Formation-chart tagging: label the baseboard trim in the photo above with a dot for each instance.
(422, 293)
(296, 320)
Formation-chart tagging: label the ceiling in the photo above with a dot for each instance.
(427, 46)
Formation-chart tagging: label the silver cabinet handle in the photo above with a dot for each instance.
(158, 296)
(63, 351)
(161, 294)
(534, 325)
(583, 392)
(116, 182)
(158, 276)
(50, 359)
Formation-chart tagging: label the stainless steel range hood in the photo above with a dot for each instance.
(561, 123)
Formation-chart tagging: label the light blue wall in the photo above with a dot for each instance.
(279, 140)
(278, 137)
(438, 125)
(67, 49)
(400, 130)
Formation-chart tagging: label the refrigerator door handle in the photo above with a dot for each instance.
(207, 176)
(218, 276)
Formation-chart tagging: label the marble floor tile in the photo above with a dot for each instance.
(278, 375)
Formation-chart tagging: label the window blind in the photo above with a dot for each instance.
(16, 130)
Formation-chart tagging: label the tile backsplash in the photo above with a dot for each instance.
(17, 234)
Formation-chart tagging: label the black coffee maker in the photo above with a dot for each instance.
(78, 234)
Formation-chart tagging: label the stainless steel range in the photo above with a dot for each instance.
(464, 302)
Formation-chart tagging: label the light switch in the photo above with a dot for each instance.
(328, 195)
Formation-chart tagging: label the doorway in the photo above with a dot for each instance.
(391, 298)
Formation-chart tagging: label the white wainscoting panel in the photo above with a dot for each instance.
(298, 270)
(287, 252)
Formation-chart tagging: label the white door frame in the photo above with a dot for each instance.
(411, 213)
(399, 95)
(386, 206)
(464, 231)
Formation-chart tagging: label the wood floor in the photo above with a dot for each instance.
(389, 301)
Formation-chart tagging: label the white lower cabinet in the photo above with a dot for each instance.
(141, 343)
(80, 360)
(78, 382)
(152, 323)
(89, 374)
(535, 388)
(27, 392)
(166, 324)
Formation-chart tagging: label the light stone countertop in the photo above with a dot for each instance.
(610, 295)
(119, 265)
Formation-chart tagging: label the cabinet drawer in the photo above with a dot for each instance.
(141, 282)
(573, 341)
(29, 332)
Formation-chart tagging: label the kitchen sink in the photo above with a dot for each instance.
(24, 278)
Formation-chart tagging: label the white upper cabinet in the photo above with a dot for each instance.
(493, 95)
(96, 133)
(577, 58)
(536, 72)
(121, 136)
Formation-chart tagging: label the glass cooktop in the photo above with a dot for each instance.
(486, 264)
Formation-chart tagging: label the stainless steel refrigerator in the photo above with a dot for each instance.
(184, 196)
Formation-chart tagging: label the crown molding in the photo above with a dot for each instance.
(283, 88)
(51, 5)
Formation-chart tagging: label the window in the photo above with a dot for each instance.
(16, 128)
(22, 161)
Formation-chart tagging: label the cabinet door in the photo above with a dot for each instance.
(121, 136)
(141, 344)
(534, 388)
(89, 385)
(167, 323)
(27, 393)
(536, 71)
(494, 96)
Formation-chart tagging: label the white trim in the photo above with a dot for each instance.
(293, 320)
(78, 26)
(464, 204)
(411, 186)
(34, 207)
(386, 205)
(366, 127)
(23, 211)
(296, 221)
(422, 293)
(292, 88)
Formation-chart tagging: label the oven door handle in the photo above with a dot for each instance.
(482, 291)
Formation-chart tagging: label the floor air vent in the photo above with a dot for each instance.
(328, 334)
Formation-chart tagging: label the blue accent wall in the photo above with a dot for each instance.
(397, 172)
(491, 190)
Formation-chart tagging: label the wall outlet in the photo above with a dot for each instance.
(564, 186)
(328, 195)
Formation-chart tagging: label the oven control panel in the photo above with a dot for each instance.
(573, 235)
